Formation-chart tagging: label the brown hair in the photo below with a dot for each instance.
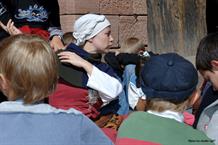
(30, 66)
(207, 51)
(68, 38)
(161, 105)
(132, 45)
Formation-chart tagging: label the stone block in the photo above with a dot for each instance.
(67, 22)
(66, 6)
(78, 6)
(116, 7)
(139, 7)
(130, 26)
(114, 20)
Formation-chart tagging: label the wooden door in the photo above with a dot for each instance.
(176, 25)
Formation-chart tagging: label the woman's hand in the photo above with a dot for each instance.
(76, 60)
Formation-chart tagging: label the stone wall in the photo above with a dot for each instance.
(128, 17)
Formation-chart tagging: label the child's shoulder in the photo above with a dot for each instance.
(139, 116)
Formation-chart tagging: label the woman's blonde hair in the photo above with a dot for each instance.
(30, 66)
(132, 45)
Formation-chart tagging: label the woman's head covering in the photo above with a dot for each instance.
(87, 26)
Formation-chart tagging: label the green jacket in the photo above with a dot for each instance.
(142, 128)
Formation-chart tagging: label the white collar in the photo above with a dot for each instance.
(169, 114)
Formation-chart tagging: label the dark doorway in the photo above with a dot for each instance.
(212, 15)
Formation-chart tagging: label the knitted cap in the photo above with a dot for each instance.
(169, 77)
(87, 26)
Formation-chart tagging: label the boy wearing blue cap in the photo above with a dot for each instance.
(169, 82)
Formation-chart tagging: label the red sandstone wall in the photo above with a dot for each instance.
(128, 17)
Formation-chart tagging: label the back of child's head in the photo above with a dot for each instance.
(30, 67)
(88, 26)
(132, 45)
(207, 51)
(68, 38)
(170, 80)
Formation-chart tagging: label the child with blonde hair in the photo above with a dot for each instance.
(28, 75)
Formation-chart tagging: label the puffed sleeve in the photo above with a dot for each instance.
(107, 86)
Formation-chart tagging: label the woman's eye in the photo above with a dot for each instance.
(108, 33)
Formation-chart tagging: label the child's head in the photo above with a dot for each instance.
(207, 59)
(168, 80)
(132, 45)
(68, 38)
(94, 31)
(28, 68)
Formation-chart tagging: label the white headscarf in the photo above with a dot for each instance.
(87, 26)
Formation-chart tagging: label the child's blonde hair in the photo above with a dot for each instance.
(163, 105)
(132, 45)
(29, 66)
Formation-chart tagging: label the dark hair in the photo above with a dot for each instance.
(207, 51)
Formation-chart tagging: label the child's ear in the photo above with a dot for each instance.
(6, 88)
(214, 64)
(141, 105)
(3, 82)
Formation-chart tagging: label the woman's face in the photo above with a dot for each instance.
(103, 40)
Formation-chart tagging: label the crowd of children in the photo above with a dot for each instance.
(151, 91)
